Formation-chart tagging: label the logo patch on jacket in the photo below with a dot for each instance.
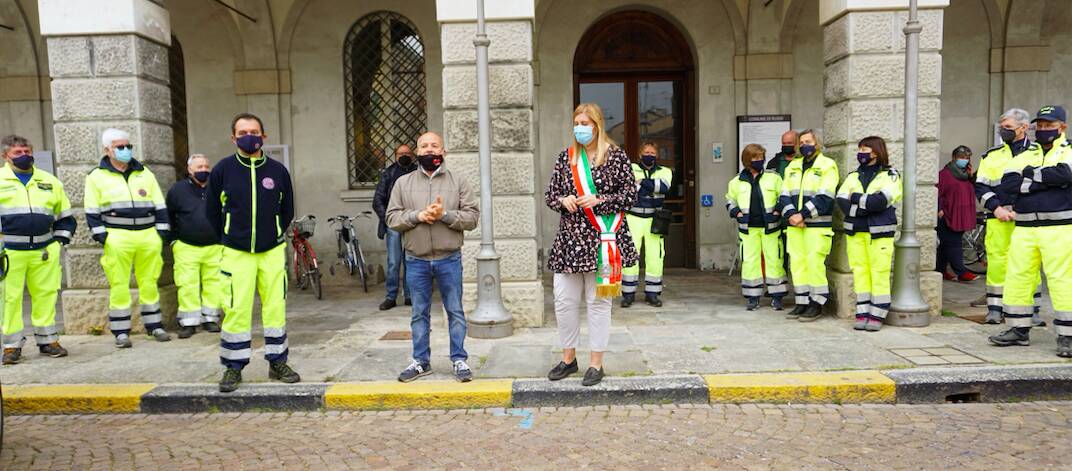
(44, 186)
(142, 192)
(268, 183)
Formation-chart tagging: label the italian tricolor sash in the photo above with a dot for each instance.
(609, 257)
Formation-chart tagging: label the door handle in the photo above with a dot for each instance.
(692, 183)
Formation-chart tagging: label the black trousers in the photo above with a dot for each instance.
(950, 249)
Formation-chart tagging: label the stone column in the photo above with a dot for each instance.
(864, 54)
(509, 27)
(109, 68)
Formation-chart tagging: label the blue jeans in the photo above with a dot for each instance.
(394, 265)
(447, 274)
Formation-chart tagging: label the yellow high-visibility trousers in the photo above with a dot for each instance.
(140, 250)
(41, 276)
(197, 277)
(871, 261)
(245, 274)
(1048, 248)
(759, 249)
(653, 247)
(998, 238)
(807, 250)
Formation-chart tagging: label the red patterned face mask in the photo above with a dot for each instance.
(430, 162)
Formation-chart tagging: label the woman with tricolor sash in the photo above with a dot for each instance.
(591, 187)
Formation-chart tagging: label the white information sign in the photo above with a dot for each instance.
(44, 161)
(280, 152)
(765, 130)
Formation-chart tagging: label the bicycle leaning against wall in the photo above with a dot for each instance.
(306, 266)
(350, 254)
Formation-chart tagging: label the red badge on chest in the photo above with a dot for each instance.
(268, 183)
(142, 192)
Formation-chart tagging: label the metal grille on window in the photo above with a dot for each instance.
(385, 92)
(179, 128)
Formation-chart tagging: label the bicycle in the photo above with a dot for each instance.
(306, 266)
(350, 254)
(975, 246)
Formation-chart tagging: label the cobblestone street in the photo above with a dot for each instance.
(877, 437)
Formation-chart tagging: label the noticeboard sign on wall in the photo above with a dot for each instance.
(765, 130)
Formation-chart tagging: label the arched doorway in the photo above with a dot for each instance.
(179, 125)
(639, 68)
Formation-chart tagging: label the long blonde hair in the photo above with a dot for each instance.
(603, 141)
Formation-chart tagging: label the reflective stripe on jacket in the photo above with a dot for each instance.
(647, 203)
(129, 200)
(810, 192)
(34, 214)
(1041, 196)
(870, 209)
(739, 199)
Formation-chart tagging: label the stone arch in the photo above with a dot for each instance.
(24, 96)
(286, 33)
(966, 78)
(996, 18)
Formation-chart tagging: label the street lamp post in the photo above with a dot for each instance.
(490, 320)
(908, 309)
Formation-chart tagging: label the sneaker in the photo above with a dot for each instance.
(1036, 320)
(874, 325)
(980, 301)
(797, 311)
(387, 304)
(409, 302)
(653, 300)
(627, 300)
(280, 371)
(1064, 346)
(860, 324)
(753, 304)
(812, 313)
(967, 277)
(948, 276)
(53, 350)
(210, 327)
(187, 331)
(415, 370)
(161, 335)
(1014, 336)
(12, 355)
(230, 381)
(122, 341)
(562, 370)
(462, 372)
(776, 303)
(993, 316)
(592, 377)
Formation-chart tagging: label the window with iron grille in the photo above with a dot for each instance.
(385, 92)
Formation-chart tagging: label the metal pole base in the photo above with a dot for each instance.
(909, 318)
(495, 330)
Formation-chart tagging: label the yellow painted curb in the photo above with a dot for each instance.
(75, 398)
(420, 395)
(825, 387)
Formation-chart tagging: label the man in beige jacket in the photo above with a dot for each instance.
(432, 208)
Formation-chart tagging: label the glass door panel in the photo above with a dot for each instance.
(610, 96)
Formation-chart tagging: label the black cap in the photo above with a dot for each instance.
(1051, 113)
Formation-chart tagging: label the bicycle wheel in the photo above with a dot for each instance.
(975, 250)
(351, 258)
(314, 280)
(300, 270)
(361, 267)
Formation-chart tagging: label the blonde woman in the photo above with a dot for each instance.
(591, 187)
(807, 205)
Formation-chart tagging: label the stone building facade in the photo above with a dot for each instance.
(173, 73)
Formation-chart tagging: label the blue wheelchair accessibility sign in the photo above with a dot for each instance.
(707, 201)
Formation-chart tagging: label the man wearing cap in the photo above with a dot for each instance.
(1037, 184)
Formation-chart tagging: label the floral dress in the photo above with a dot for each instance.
(576, 243)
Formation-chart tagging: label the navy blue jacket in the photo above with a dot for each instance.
(388, 177)
(186, 211)
(250, 203)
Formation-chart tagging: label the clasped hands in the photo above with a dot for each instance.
(433, 212)
(573, 203)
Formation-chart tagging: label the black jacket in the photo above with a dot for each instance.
(250, 203)
(186, 211)
(383, 192)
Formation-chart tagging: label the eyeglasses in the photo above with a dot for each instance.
(128, 146)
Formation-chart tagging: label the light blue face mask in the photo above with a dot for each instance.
(124, 155)
(962, 163)
(583, 134)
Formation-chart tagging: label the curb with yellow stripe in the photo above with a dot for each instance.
(990, 384)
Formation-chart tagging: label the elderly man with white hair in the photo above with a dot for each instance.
(126, 213)
(197, 251)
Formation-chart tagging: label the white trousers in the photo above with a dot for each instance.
(570, 290)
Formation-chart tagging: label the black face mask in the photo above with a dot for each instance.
(430, 162)
(405, 160)
(1007, 135)
(789, 150)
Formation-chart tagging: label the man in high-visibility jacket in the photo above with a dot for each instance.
(653, 183)
(250, 204)
(125, 212)
(992, 166)
(1037, 183)
(197, 251)
(35, 217)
